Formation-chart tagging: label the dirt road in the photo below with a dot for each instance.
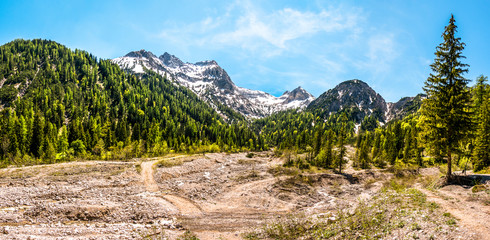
(184, 206)
(147, 175)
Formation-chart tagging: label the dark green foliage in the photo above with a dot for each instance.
(362, 153)
(445, 111)
(342, 135)
(295, 129)
(78, 147)
(7, 94)
(288, 129)
(396, 142)
(369, 123)
(303, 132)
(481, 152)
(69, 102)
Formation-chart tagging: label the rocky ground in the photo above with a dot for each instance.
(216, 196)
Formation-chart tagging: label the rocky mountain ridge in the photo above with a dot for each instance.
(361, 100)
(211, 83)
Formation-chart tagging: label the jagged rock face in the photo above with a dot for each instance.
(211, 82)
(171, 60)
(363, 101)
(298, 94)
(355, 95)
(404, 107)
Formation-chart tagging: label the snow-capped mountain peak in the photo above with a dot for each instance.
(141, 54)
(211, 82)
(298, 94)
(171, 60)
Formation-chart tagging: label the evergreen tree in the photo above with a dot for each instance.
(445, 110)
(342, 141)
(37, 136)
(480, 92)
(481, 153)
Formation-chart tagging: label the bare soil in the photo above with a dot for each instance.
(472, 209)
(216, 196)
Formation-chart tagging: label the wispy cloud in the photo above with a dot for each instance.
(380, 52)
(322, 46)
(248, 27)
(279, 27)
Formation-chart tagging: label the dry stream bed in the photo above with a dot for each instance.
(223, 196)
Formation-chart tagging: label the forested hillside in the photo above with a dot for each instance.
(447, 125)
(57, 103)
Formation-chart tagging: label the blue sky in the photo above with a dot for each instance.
(272, 46)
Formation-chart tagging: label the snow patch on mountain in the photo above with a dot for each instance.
(211, 83)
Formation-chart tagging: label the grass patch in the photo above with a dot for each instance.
(484, 171)
(177, 160)
(369, 183)
(280, 171)
(89, 169)
(252, 174)
(478, 188)
(154, 233)
(158, 233)
(187, 235)
(394, 208)
(169, 162)
(451, 221)
(247, 161)
(20, 173)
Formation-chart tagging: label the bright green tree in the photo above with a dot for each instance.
(445, 111)
(481, 153)
(342, 135)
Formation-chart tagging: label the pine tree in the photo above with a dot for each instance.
(364, 153)
(480, 92)
(37, 136)
(445, 111)
(481, 153)
(339, 161)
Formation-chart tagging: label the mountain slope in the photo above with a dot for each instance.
(56, 102)
(211, 82)
(354, 96)
(404, 107)
(359, 100)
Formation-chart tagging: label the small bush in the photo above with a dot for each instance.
(478, 188)
(280, 170)
(451, 221)
(170, 162)
(188, 235)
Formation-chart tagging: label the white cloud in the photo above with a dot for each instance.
(381, 52)
(279, 27)
(248, 27)
(320, 47)
(381, 48)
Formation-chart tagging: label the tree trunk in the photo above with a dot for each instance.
(449, 163)
(340, 166)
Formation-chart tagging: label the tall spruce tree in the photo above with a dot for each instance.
(445, 111)
(342, 135)
(481, 154)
